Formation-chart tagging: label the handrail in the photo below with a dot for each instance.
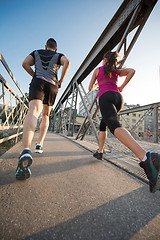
(11, 75)
(13, 109)
(140, 108)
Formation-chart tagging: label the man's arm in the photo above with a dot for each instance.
(66, 64)
(27, 63)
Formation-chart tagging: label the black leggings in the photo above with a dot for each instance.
(110, 104)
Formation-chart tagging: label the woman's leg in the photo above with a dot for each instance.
(110, 104)
(102, 135)
(125, 137)
(102, 140)
(150, 162)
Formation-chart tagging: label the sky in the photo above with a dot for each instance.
(76, 26)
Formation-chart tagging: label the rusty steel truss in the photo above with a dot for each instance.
(128, 21)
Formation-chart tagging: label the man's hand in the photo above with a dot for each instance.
(59, 84)
(65, 67)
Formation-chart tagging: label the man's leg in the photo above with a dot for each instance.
(44, 124)
(30, 123)
(25, 159)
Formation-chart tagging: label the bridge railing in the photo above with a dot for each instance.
(12, 108)
(120, 34)
(148, 121)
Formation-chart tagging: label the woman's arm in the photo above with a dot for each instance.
(92, 84)
(128, 72)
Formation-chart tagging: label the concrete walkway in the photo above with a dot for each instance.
(71, 195)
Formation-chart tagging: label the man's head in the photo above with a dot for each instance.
(51, 44)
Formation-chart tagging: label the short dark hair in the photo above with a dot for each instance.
(51, 43)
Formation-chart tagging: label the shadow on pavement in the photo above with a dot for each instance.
(118, 219)
(8, 176)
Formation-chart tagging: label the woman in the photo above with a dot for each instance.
(110, 103)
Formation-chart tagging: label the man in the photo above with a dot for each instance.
(43, 89)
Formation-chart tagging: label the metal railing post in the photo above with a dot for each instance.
(88, 114)
(70, 132)
(155, 136)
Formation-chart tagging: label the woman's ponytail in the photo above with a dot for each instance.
(111, 62)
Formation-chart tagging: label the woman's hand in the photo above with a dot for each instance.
(95, 86)
(120, 88)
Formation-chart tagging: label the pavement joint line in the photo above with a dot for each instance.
(107, 160)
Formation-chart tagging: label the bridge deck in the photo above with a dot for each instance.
(71, 195)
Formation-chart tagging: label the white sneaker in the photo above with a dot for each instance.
(39, 148)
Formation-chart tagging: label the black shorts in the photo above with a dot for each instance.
(110, 104)
(42, 90)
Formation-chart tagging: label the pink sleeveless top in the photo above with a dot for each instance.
(107, 83)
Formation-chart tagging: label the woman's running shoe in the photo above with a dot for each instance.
(98, 155)
(151, 167)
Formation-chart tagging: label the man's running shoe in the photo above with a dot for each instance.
(39, 148)
(25, 160)
(152, 169)
(23, 174)
(98, 155)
